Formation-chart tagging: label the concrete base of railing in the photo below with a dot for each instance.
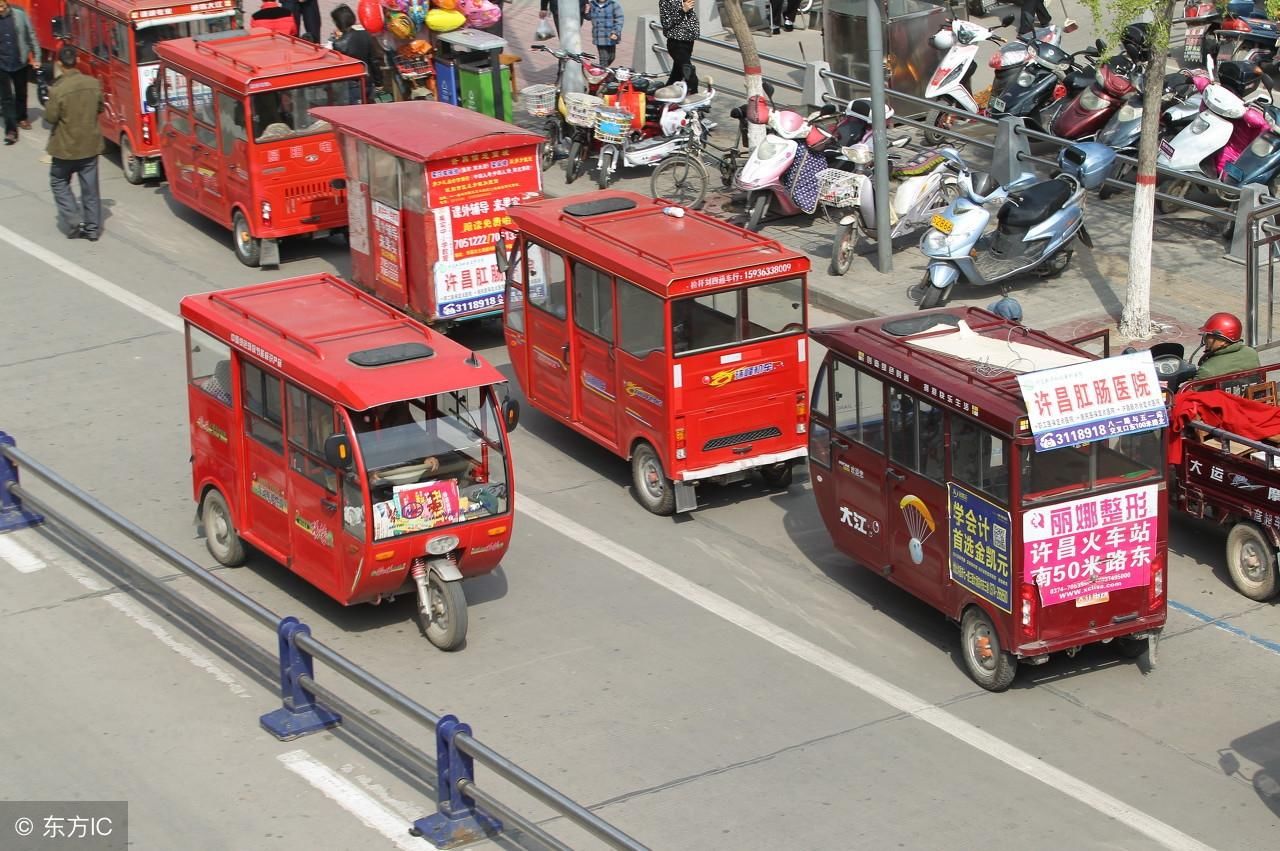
(13, 515)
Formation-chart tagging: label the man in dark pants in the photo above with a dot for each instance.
(784, 14)
(75, 141)
(1034, 14)
(19, 49)
(680, 26)
(306, 16)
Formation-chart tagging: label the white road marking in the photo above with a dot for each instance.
(901, 699)
(347, 795)
(91, 280)
(862, 679)
(19, 557)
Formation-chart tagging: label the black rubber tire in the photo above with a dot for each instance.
(547, 152)
(1251, 561)
(653, 489)
(1057, 264)
(843, 248)
(729, 168)
(576, 165)
(220, 535)
(932, 138)
(1132, 648)
(1107, 191)
(606, 167)
(248, 248)
(131, 166)
(680, 180)
(1176, 188)
(759, 206)
(992, 668)
(934, 297)
(447, 629)
(778, 478)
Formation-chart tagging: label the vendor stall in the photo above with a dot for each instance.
(428, 186)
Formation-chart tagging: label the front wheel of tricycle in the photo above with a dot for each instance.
(843, 246)
(990, 666)
(447, 626)
(653, 488)
(679, 180)
(220, 533)
(1251, 561)
(248, 248)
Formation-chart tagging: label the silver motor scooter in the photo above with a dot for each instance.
(1035, 226)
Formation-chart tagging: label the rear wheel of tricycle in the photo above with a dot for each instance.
(989, 665)
(653, 488)
(679, 180)
(607, 157)
(447, 626)
(131, 165)
(842, 248)
(248, 248)
(1251, 561)
(778, 476)
(759, 206)
(220, 533)
(551, 146)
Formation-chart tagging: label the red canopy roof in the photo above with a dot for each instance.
(425, 130)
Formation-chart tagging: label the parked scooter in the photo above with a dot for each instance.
(1260, 163)
(678, 109)
(1124, 130)
(1082, 116)
(1042, 80)
(1036, 227)
(1007, 62)
(950, 83)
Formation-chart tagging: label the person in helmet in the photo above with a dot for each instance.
(1224, 348)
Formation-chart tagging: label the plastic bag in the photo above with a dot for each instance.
(480, 13)
(545, 29)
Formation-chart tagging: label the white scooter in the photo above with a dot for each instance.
(613, 132)
(950, 83)
(1194, 148)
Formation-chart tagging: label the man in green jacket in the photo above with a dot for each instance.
(1224, 348)
(75, 141)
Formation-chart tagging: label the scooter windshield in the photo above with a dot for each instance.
(433, 461)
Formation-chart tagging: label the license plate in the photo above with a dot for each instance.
(1093, 600)
(942, 223)
(997, 105)
(1166, 148)
(151, 168)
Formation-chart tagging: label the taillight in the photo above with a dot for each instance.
(1157, 585)
(680, 453)
(266, 212)
(995, 61)
(802, 414)
(1027, 613)
(146, 129)
(1235, 24)
(1059, 91)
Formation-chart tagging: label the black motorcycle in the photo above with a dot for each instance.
(1050, 74)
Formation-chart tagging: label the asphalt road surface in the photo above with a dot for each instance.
(724, 680)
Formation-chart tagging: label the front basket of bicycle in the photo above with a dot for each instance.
(539, 99)
(581, 108)
(612, 125)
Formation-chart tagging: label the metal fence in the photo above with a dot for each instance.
(465, 809)
(1262, 249)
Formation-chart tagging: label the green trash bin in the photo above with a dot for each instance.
(475, 89)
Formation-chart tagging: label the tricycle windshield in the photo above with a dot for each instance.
(148, 37)
(1091, 467)
(434, 461)
(732, 317)
(286, 113)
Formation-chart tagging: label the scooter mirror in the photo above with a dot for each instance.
(1007, 21)
(1100, 44)
(510, 413)
(1092, 52)
(828, 109)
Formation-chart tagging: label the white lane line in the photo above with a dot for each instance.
(89, 279)
(351, 798)
(19, 557)
(902, 700)
(899, 698)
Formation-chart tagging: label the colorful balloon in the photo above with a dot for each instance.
(370, 14)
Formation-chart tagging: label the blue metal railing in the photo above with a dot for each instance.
(464, 810)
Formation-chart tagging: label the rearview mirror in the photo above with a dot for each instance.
(1006, 21)
(337, 451)
(500, 256)
(152, 97)
(1100, 44)
(1092, 52)
(828, 109)
(510, 413)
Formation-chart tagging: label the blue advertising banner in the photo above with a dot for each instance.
(980, 541)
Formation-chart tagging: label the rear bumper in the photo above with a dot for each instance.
(1148, 623)
(739, 464)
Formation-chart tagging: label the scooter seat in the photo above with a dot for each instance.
(1034, 204)
(673, 93)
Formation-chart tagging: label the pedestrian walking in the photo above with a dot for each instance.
(552, 8)
(75, 141)
(273, 16)
(19, 52)
(1034, 14)
(354, 40)
(606, 28)
(784, 14)
(306, 17)
(680, 27)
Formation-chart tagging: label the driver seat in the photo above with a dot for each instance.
(1034, 204)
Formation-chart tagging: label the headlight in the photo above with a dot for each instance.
(443, 544)
(1026, 78)
(1128, 112)
(934, 242)
(1090, 102)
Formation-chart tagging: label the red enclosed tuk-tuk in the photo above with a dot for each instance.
(359, 448)
(116, 41)
(670, 337)
(240, 141)
(428, 187)
(1038, 527)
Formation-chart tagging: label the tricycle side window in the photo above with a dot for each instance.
(858, 404)
(514, 301)
(593, 300)
(732, 317)
(310, 422)
(230, 122)
(915, 433)
(642, 326)
(384, 177)
(547, 278)
(209, 364)
(820, 417)
(411, 183)
(979, 458)
(264, 418)
(176, 103)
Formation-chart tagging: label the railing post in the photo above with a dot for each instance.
(459, 820)
(1010, 147)
(300, 714)
(649, 60)
(1250, 200)
(12, 513)
(815, 87)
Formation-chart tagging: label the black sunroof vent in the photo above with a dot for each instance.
(391, 354)
(600, 207)
(916, 324)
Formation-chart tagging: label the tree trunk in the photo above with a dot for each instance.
(1135, 322)
(750, 62)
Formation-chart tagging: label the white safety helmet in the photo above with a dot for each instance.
(943, 39)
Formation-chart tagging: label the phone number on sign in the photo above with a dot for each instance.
(458, 308)
(1085, 433)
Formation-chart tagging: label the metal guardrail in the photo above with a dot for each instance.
(465, 811)
(1262, 253)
